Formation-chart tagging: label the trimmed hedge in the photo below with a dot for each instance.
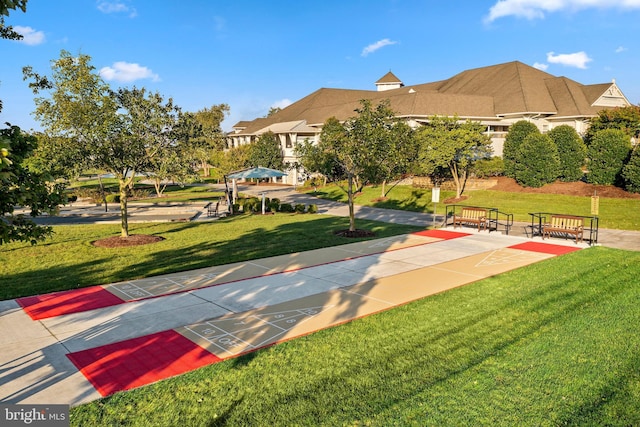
(486, 168)
(537, 161)
(631, 172)
(515, 137)
(572, 152)
(607, 153)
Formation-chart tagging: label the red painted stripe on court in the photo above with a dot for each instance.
(545, 248)
(140, 361)
(441, 234)
(67, 302)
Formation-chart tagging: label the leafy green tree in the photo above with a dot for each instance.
(572, 152)
(358, 147)
(445, 142)
(266, 152)
(402, 148)
(206, 134)
(516, 135)
(626, 119)
(20, 186)
(6, 5)
(120, 132)
(537, 161)
(607, 153)
(315, 159)
(631, 172)
(235, 159)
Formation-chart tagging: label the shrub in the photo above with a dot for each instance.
(486, 168)
(313, 208)
(536, 161)
(273, 206)
(300, 208)
(571, 152)
(515, 137)
(112, 198)
(139, 193)
(252, 204)
(286, 207)
(631, 172)
(607, 154)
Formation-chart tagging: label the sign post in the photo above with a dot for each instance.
(435, 199)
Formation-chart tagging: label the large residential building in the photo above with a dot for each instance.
(496, 96)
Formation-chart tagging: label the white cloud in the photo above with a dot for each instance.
(283, 103)
(126, 72)
(377, 45)
(536, 9)
(578, 59)
(29, 35)
(105, 6)
(621, 49)
(540, 66)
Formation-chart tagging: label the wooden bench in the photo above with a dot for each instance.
(471, 216)
(564, 225)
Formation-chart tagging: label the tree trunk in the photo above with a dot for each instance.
(205, 168)
(157, 183)
(384, 182)
(124, 221)
(352, 213)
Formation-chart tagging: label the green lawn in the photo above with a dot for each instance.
(68, 260)
(621, 214)
(529, 347)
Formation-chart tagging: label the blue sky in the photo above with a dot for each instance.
(253, 55)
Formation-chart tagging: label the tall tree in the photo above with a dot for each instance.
(445, 142)
(146, 142)
(626, 119)
(20, 183)
(207, 134)
(402, 149)
(120, 132)
(20, 186)
(359, 147)
(266, 151)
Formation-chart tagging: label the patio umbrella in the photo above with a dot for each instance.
(258, 172)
